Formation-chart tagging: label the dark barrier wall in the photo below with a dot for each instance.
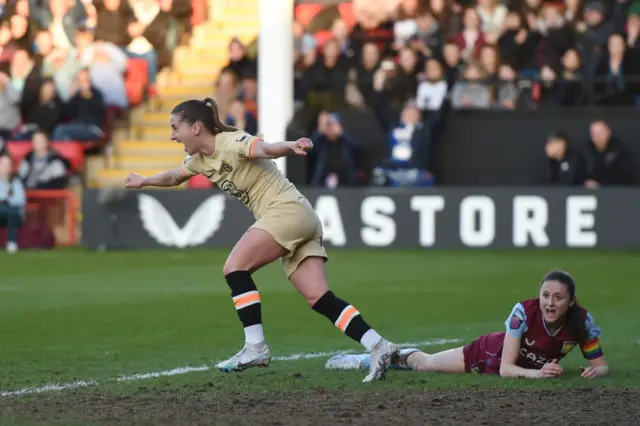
(494, 147)
(480, 217)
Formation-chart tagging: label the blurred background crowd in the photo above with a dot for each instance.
(85, 85)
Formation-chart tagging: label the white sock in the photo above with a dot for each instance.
(254, 334)
(369, 339)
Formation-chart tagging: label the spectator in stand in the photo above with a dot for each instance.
(617, 74)
(409, 141)
(12, 203)
(364, 71)
(239, 63)
(404, 83)
(490, 62)
(471, 92)
(340, 32)
(248, 93)
(45, 115)
(25, 77)
(453, 62)
(432, 89)
(470, 39)
(405, 25)
(114, 19)
(562, 166)
(557, 36)
(20, 32)
(226, 89)
(372, 25)
(86, 111)
(168, 28)
(43, 167)
(518, 43)
(608, 161)
(447, 13)
(334, 154)
(145, 11)
(428, 38)
(507, 90)
(492, 15)
(107, 64)
(60, 17)
(7, 46)
(573, 12)
(240, 118)
(564, 88)
(9, 107)
(593, 37)
(325, 82)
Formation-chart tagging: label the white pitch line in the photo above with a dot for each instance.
(186, 370)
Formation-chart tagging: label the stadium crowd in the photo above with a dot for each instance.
(66, 71)
(413, 61)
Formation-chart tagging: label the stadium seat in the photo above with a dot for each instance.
(347, 14)
(136, 79)
(72, 151)
(305, 12)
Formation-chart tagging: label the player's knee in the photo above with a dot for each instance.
(233, 266)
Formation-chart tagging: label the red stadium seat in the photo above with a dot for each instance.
(347, 14)
(305, 12)
(72, 151)
(136, 79)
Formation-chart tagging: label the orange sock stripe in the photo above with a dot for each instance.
(345, 317)
(246, 299)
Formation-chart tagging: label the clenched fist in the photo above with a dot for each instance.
(134, 180)
(302, 145)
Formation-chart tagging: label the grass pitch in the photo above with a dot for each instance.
(73, 316)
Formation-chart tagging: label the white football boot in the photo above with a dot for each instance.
(249, 356)
(349, 362)
(381, 355)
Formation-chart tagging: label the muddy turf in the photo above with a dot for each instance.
(199, 405)
(81, 316)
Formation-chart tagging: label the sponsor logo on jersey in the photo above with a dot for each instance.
(201, 226)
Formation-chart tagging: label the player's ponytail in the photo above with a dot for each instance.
(575, 316)
(217, 123)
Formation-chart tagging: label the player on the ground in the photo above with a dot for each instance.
(539, 333)
(286, 228)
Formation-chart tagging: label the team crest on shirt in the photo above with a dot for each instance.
(516, 319)
(567, 346)
(226, 167)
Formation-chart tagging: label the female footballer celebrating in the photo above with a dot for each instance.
(539, 333)
(286, 228)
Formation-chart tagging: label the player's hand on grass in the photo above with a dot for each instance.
(302, 145)
(588, 372)
(134, 180)
(550, 370)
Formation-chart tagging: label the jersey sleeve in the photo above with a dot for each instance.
(591, 349)
(190, 167)
(516, 323)
(242, 145)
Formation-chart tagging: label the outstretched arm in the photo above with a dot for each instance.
(173, 177)
(508, 367)
(597, 367)
(263, 150)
